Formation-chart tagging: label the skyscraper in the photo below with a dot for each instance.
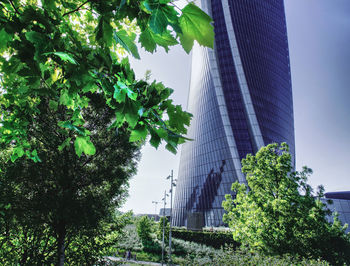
(241, 99)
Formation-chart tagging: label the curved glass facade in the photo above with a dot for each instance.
(240, 97)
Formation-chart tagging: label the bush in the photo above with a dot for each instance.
(129, 239)
(213, 239)
(186, 248)
(244, 257)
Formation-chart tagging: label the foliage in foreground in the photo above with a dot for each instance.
(279, 214)
(62, 51)
(65, 201)
(35, 245)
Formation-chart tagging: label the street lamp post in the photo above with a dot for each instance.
(164, 200)
(155, 207)
(172, 184)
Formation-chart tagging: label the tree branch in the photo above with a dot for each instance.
(77, 9)
(14, 7)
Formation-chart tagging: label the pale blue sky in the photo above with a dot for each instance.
(319, 35)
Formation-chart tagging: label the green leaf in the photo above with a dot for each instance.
(119, 94)
(65, 143)
(104, 31)
(155, 139)
(84, 145)
(17, 152)
(171, 148)
(65, 57)
(90, 86)
(122, 3)
(34, 37)
(158, 21)
(147, 40)
(121, 90)
(49, 4)
(127, 42)
(4, 38)
(165, 40)
(69, 125)
(66, 99)
(139, 133)
(53, 105)
(178, 118)
(131, 113)
(195, 25)
(34, 156)
(132, 95)
(172, 17)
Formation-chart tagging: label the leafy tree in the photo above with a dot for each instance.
(65, 201)
(278, 213)
(59, 52)
(145, 228)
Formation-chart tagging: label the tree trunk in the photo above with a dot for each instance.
(60, 246)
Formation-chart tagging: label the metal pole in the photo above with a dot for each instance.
(171, 214)
(163, 226)
(155, 207)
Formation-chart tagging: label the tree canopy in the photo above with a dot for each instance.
(278, 213)
(62, 51)
(65, 201)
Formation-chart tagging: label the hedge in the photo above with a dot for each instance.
(216, 239)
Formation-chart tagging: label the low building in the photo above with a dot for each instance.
(340, 204)
(165, 212)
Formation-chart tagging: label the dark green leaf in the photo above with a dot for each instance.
(171, 148)
(147, 40)
(4, 38)
(65, 143)
(155, 139)
(158, 21)
(127, 42)
(64, 56)
(53, 105)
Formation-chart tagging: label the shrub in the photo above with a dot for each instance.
(129, 239)
(213, 239)
(183, 248)
(242, 256)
